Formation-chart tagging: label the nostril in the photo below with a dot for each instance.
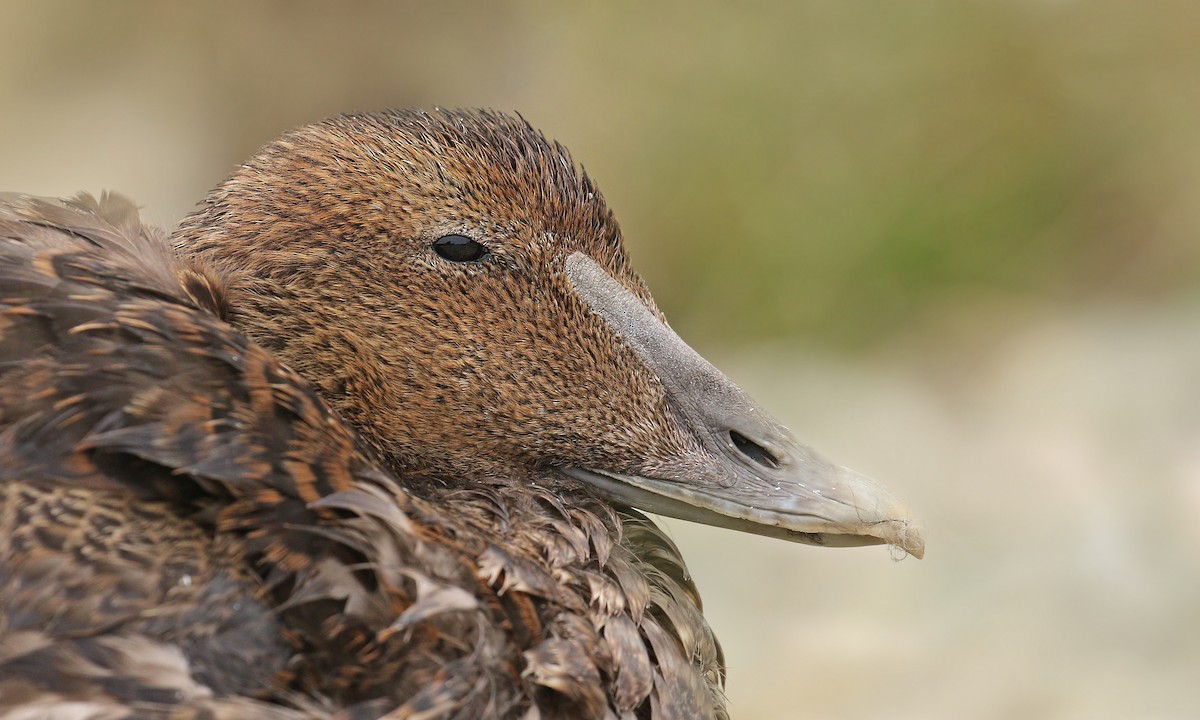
(753, 450)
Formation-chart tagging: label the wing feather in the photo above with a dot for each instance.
(169, 492)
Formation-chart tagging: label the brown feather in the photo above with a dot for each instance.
(190, 528)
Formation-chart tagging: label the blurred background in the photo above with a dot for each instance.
(955, 244)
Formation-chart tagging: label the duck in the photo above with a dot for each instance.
(372, 433)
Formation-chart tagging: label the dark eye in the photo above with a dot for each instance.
(458, 248)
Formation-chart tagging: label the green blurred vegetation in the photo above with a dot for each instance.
(842, 172)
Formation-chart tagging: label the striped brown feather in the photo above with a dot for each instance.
(187, 528)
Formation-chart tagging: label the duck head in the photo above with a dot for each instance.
(458, 290)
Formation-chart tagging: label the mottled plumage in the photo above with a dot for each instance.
(301, 467)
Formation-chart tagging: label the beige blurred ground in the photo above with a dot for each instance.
(1059, 483)
(956, 245)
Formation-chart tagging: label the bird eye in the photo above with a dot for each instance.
(459, 248)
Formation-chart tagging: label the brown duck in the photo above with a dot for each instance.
(365, 439)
